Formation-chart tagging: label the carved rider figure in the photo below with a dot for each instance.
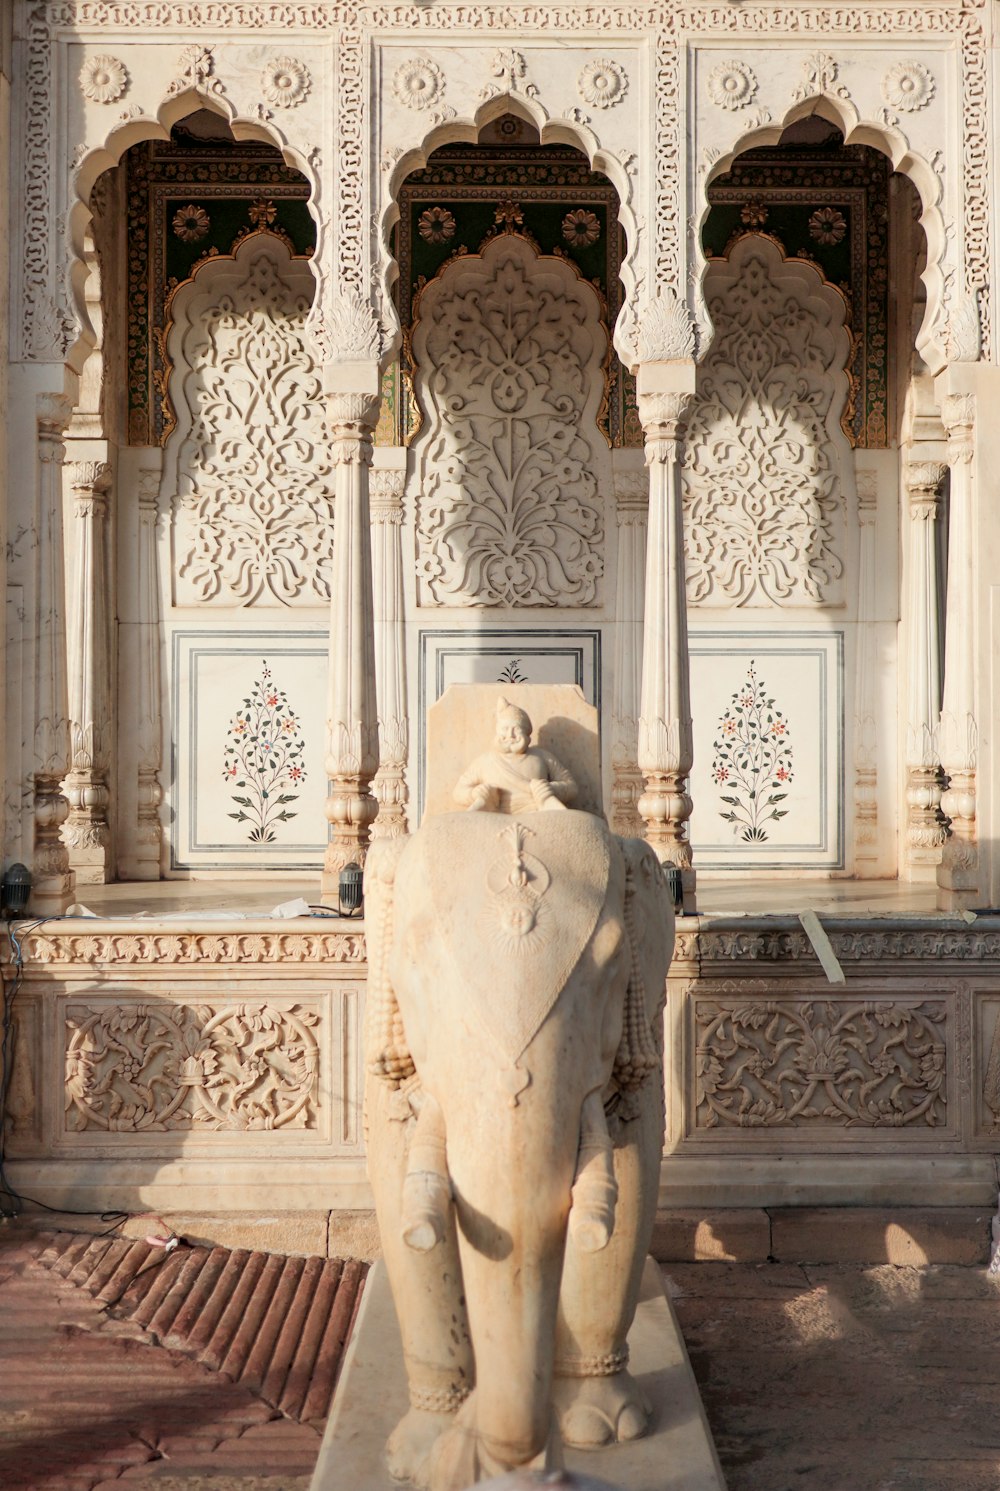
(515, 777)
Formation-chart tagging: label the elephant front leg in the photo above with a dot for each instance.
(596, 1398)
(427, 1291)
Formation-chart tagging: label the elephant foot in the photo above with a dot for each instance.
(461, 1458)
(410, 1443)
(595, 1411)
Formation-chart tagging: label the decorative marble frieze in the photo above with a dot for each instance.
(767, 1062)
(158, 947)
(158, 1066)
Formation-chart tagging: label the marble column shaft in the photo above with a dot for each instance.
(665, 734)
(86, 832)
(958, 740)
(925, 826)
(865, 743)
(53, 880)
(390, 784)
(352, 758)
(632, 499)
(149, 730)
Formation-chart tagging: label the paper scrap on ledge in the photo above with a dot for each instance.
(822, 947)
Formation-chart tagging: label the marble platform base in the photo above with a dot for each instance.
(676, 1455)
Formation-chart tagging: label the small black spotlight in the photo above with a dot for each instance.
(674, 885)
(15, 888)
(350, 889)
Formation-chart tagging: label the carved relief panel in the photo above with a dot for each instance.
(510, 351)
(767, 469)
(247, 470)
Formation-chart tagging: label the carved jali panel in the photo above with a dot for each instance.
(815, 1063)
(829, 204)
(248, 467)
(188, 199)
(768, 474)
(161, 1067)
(509, 349)
(465, 196)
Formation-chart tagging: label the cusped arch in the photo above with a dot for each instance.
(134, 130)
(890, 142)
(399, 163)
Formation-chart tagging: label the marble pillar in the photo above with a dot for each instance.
(149, 724)
(665, 737)
(925, 824)
(390, 786)
(53, 880)
(958, 740)
(866, 685)
(352, 758)
(631, 501)
(86, 833)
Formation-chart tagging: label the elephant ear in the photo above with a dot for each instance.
(387, 1053)
(639, 1052)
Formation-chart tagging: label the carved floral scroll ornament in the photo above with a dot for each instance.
(159, 1067)
(806, 1064)
(509, 352)
(252, 513)
(766, 468)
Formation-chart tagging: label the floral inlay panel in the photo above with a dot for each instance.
(814, 1063)
(752, 761)
(248, 465)
(160, 1067)
(509, 351)
(767, 469)
(263, 759)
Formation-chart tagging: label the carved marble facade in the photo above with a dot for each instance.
(353, 351)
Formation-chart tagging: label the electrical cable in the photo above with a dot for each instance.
(11, 1199)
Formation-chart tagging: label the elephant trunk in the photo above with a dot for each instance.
(595, 1190)
(427, 1193)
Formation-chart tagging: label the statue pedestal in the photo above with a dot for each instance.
(372, 1397)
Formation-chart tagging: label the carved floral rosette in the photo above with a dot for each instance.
(509, 352)
(161, 1067)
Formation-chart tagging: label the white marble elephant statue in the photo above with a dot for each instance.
(514, 1111)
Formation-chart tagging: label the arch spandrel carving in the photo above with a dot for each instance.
(768, 474)
(510, 353)
(247, 470)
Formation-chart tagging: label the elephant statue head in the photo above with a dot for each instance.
(515, 1117)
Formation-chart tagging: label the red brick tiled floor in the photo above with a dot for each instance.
(92, 1402)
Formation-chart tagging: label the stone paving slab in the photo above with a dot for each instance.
(861, 1379)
